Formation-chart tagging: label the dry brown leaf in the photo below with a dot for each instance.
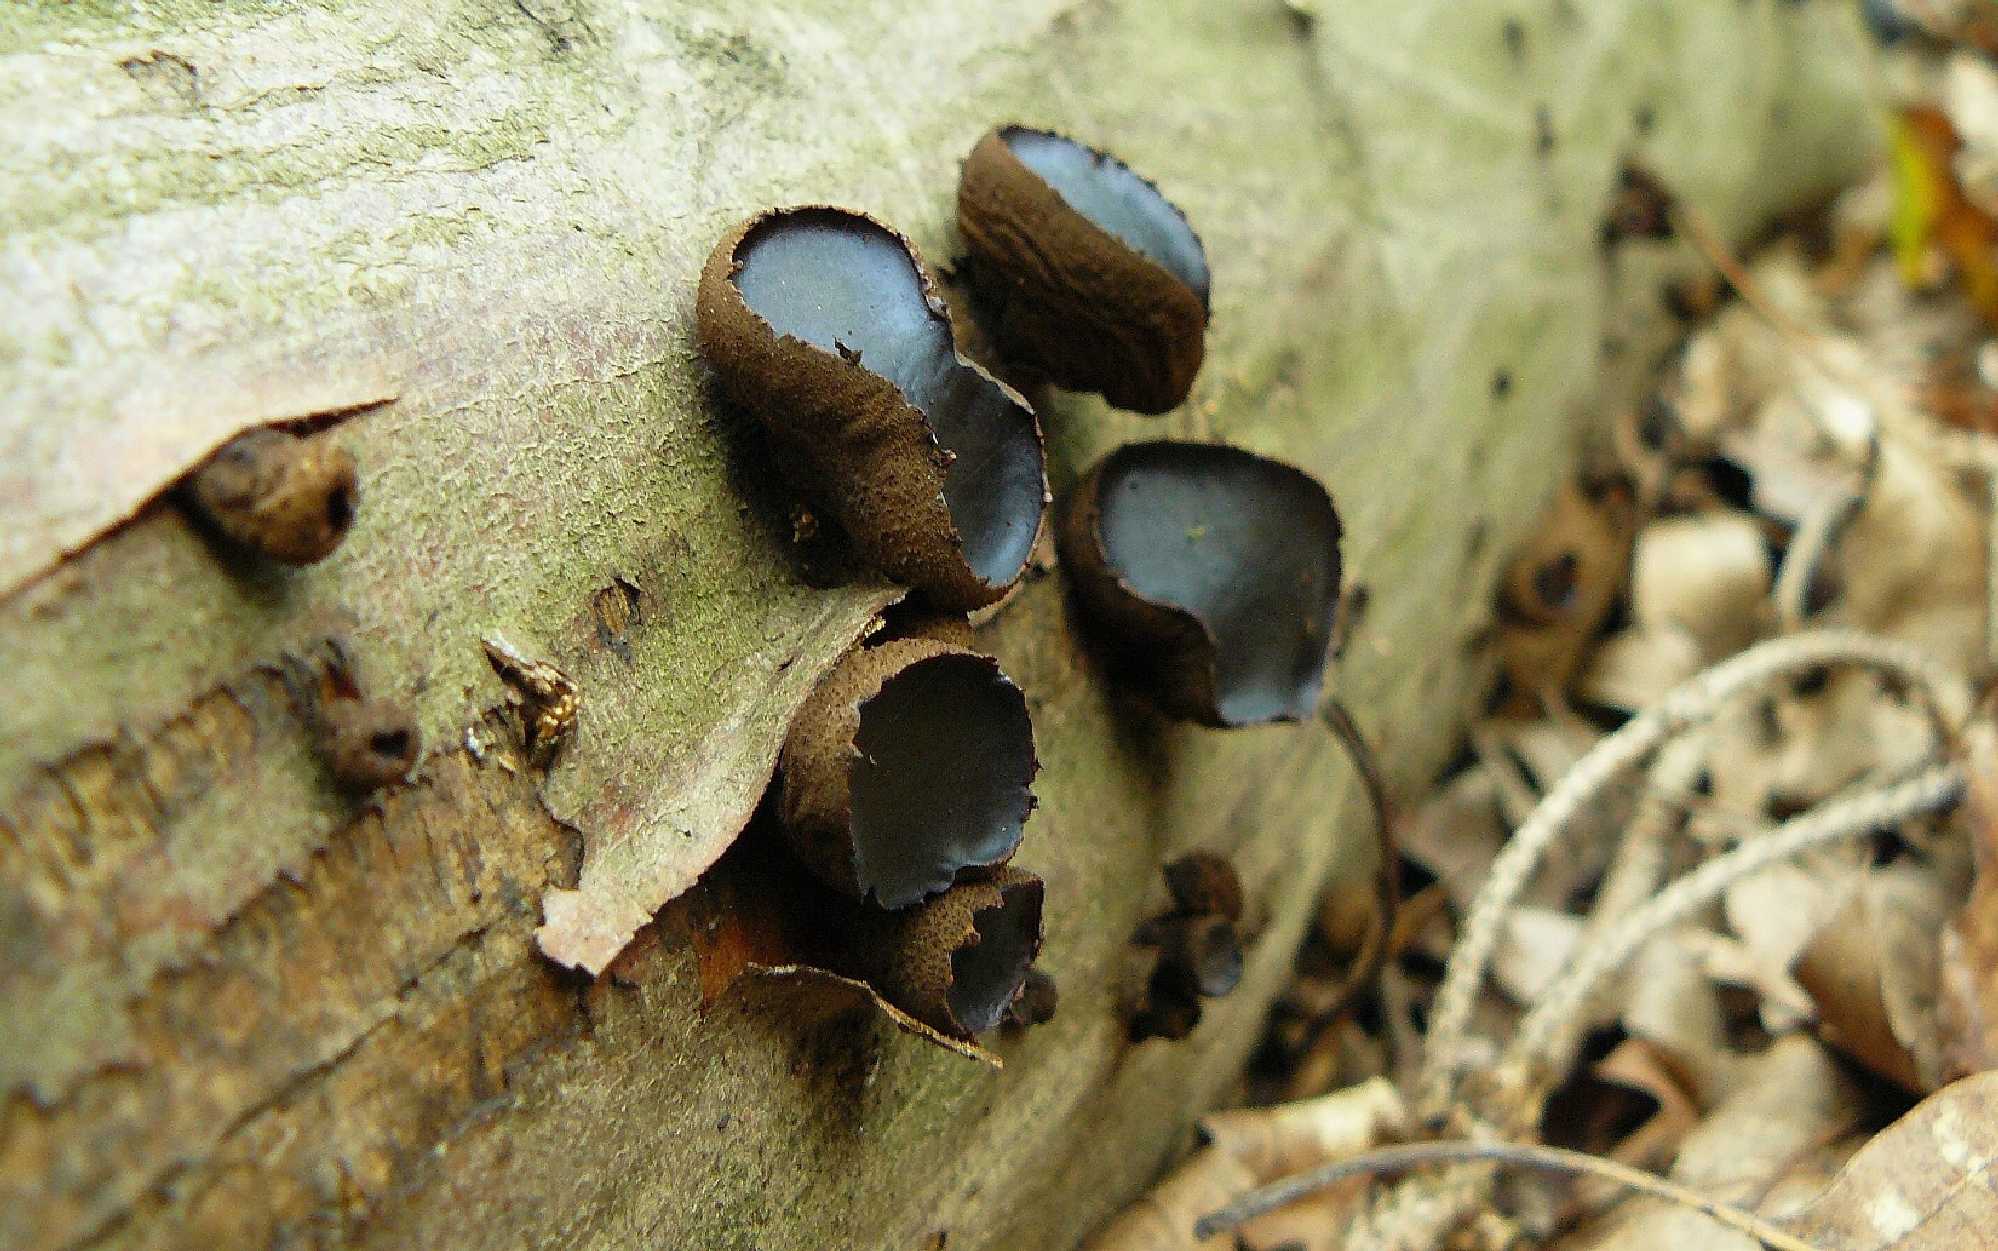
(1707, 574)
(1914, 504)
(1248, 1148)
(1928, 1182)
(1968, 1010)
(1872, 974)
(1559, 589)
(1648, 1082)
(1779, 1105)
(1292, 1137)
(1636, 667)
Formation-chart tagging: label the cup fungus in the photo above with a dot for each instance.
(1213, 573)
(1093, 276)
(289, 498)
(366, 741)
(825, 323)
(910, 763)
(957, 962)
(1200, 949)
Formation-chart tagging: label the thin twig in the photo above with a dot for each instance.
(1549, 1159)
(1387, 873)
(1695, 701)
(1816, 535)
(1935, 788)
(1696, 229)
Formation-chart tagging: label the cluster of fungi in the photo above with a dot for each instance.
(1207, 575)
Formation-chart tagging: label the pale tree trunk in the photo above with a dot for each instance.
(240, 1009)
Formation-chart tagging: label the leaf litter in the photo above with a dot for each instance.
(1698, 938)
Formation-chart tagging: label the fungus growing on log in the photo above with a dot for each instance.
(825, 323)
(1200, 949)
(910, 763)
(1094, 278)
(366, 741)
(957, 962)
(287, 497)
(1212, 574)
(1037, 1001)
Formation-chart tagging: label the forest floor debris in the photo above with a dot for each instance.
(1698, 939)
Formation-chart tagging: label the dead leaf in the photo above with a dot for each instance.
(1247, 1148)
(1636, 667)
(1779, 1105)
(1968, 1008)
(1872, 973)
(1932, 213)
(1707, 574)
(1292, 1137)
(1928, 1182)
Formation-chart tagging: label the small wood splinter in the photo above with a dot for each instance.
(546, 698)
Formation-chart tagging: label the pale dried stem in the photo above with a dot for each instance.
(1531, 1048)
(1550, 1159)
(1692, 703)
(1639, 864)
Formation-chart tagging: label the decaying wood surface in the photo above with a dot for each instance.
(240, 1008)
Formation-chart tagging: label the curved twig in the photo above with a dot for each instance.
(1693, 702)
(1549, 1159)
(1387, 874)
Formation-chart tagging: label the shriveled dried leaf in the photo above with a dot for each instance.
(1872, 973)
(1778, 1105)
(1968, 1010)
(1292, 1137)
(1928, 1182)
(1635, 667)
(1707, 574)
(1246, 1149)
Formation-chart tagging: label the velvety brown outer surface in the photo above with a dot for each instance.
(906, 955)
(1166, 647)
(290, 499)
(240, 1010)
(844, 434)
(1077, 304)
(816, 798)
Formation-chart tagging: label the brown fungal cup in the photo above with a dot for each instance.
(957, 962)
(288, 497)
(1094, 278)
(1202, 882)
(1036, 1002)
(1211, 573)
(367, 743)
(825, 323)
(912, 762)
